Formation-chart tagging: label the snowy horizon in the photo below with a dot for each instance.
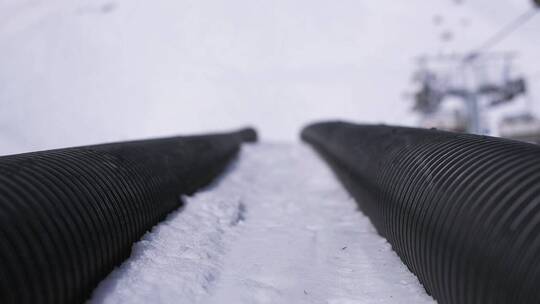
(83, 72)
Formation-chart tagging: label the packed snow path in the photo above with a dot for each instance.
(277, 228)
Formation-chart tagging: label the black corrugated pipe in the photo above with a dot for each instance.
(69, 216)
(462, 211)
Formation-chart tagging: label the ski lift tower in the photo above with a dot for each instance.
(480, 81)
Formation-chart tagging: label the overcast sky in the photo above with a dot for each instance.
(81, 72)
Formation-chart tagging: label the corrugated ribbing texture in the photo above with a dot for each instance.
(68, 216)
(462, 211)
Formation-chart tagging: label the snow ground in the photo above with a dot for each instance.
(278, 228)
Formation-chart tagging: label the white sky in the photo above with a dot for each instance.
(81, 72)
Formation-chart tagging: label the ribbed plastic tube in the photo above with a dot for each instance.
(462, 211)
(69, 216)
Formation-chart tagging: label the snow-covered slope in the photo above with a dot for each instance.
(278, 228)
(76, 72)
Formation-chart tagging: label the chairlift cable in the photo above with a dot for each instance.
(503, 33)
